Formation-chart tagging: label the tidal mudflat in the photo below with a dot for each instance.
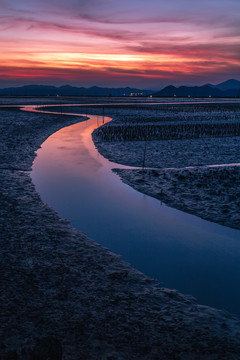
(74, 179)
(179, 136)
(56, 282)
(210, 193)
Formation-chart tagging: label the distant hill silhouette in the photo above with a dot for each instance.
(67, 90)
(229, 88)
(228, 85)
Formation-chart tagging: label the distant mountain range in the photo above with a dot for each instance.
(229, 88)
(67, 90)
(227, 85)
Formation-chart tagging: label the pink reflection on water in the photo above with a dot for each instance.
(73, 178)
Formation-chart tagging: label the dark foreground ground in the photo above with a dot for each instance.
(58, 285)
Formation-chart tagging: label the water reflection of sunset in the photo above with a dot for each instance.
(72, 146)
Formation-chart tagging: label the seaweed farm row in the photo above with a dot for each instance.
(152, 117)
(173, 108)
(161, 113)
(138, 132)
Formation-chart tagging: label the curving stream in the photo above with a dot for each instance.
(184, 252)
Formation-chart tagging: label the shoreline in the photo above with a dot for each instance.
(57, 282)
(194, 191)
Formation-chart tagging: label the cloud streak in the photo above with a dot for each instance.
(103, 40)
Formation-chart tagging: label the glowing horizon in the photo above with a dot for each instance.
(107, 43)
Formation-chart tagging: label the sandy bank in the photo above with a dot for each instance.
(55, 281)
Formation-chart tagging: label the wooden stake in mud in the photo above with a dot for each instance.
(103, 115)
(145, 149)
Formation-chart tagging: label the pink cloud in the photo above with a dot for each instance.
(118, 40)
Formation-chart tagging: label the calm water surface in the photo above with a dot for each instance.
(182, 251)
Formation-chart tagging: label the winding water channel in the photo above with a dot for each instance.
(184, 252)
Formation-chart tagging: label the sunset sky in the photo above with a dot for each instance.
(110, 43)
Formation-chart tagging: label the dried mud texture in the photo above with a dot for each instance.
(56, 283)
(210, 193)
